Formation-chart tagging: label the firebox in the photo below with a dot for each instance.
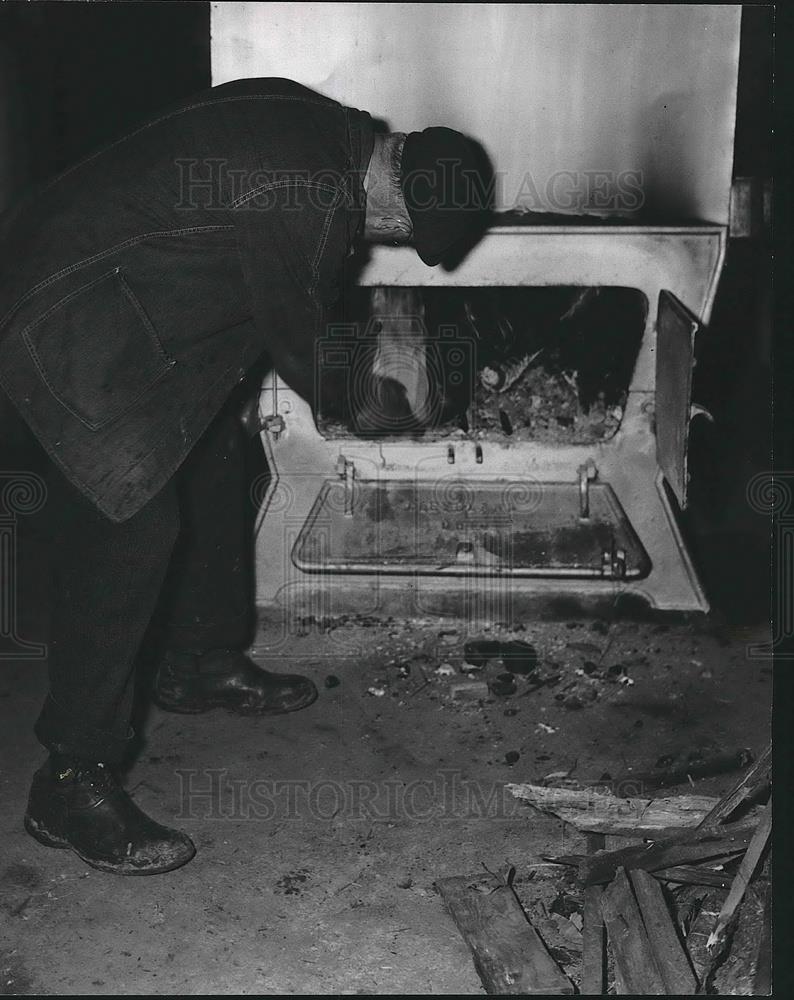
(519, 482)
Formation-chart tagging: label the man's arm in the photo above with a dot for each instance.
(292, 247)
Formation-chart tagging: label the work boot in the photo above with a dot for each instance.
(227, 678)
(82, 807)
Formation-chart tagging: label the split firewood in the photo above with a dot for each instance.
(689, 845)
(695, 875)
(756, 848)
(668, 853)
(593, 811)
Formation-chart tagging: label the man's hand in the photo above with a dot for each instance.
(380, 407)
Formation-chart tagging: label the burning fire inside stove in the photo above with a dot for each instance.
(551, 365)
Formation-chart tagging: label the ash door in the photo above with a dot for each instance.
(457, 527)
(676, 329)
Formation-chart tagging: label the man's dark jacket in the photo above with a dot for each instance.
(137, 288)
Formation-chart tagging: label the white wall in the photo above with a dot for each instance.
(643, 93)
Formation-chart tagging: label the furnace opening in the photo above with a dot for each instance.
(552, 365)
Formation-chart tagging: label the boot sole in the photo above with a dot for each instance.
(43, 836)
(38, 832)
(199, 707)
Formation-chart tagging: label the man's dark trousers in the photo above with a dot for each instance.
(108, 583)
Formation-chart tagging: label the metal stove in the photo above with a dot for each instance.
(501, 529)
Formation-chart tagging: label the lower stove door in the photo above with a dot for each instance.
(454, 528)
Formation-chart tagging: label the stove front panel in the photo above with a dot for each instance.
(314, 554)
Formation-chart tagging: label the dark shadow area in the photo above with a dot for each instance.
(78, 75)
(73, 77)
(730, 539)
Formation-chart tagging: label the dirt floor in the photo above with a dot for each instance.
(320, 835)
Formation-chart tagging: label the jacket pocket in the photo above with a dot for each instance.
(97, 351)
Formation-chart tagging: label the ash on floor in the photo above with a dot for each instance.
(320, 835)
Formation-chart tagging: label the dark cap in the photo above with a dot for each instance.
(446, 183)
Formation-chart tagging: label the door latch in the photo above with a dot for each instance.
(613, 563)
(587, 473)
(346, 470)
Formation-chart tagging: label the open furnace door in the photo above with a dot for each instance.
(676, 329)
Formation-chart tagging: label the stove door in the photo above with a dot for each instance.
(455, 527)
(676, 329)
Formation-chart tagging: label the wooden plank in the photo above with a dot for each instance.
(672, 959)
(636, 970)
(582, 861)
(508, 953)
(731, 839)
(593, 953)
(594, 965)
(694, 875)
(703, 874)
(593, 811)
(741, 880)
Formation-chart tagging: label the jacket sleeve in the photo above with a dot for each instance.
(293, 247)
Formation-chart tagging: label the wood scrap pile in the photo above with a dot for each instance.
(678, 904)
(630, 891)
